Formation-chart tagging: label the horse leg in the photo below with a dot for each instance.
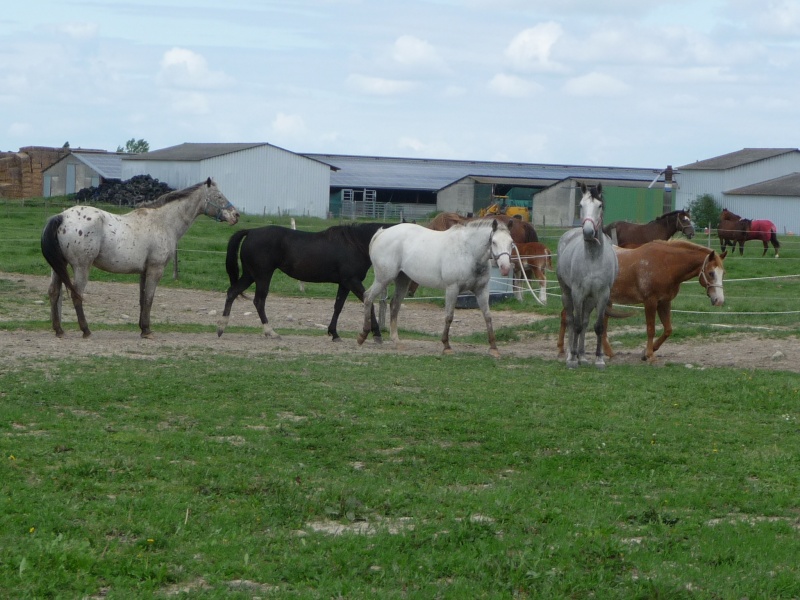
(483, 304)
(585, 311)
(766, 247)
(665, 316)
(561, 331)
(572, 327)
(650, 308)
(542, 278)
(148, 281)
(259, 301)
(341, 296)
(79, 283)
(599, 331)
(54, 292)
(377, 287)
(244, 282)
(450, 298)
(606, 345)
(358, 290)
(401, 284)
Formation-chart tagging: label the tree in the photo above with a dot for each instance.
(705, 211)
(134, 146)
(66, 145)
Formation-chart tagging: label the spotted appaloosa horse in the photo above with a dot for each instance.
(141, 241)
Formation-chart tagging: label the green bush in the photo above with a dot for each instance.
(705, 211)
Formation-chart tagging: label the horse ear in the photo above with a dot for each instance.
(599, 188)
(583, 187)
(494, 225)
(723, 255)
(208, 182)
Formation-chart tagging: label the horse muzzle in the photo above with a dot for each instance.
(590, 232)
(230, 216)
(717, 297)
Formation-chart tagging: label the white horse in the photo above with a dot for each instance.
(586, 270)
(141, 241)
(455, 260)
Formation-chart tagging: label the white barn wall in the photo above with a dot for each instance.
(784, 211)
(693, 183)
(458, 197)
(263, 180)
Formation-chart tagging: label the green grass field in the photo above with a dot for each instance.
(392, 476)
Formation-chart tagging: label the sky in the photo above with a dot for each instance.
(624, 83)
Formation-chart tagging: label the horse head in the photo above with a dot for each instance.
(684, 222)
(711, 275)
(592, 212)
(217, 206)
(501, 245)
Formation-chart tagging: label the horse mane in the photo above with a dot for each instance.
(681, 243)
(171, 197)
(353, 234)
(669, 214)
(475, 223)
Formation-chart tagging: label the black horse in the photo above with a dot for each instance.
(339, 254)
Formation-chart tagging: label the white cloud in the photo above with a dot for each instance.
(284, 124)
(79, 31)
(409, 51)
(513, 86)
(191, 103)
(531, 49)
(595, 84)
(184, 68)
(379, 86)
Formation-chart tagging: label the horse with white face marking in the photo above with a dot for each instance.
(141, 241)
(456, 260)
(587, 267)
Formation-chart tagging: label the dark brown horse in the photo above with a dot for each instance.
(732, 230)
(660, 228)
(652, 275)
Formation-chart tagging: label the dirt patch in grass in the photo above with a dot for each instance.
(117, 303)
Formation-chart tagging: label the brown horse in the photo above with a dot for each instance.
(534, 259)
(652, 275)
(733, 230)
(660, 228)
(521, 231)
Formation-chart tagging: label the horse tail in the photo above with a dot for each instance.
(615, 314)
(232, 257)
(53, 254)
(773, 236)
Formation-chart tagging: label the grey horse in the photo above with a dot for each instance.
(586, 270)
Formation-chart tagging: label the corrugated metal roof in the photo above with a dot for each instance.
(376, 172)
(107, 164)
(788, 185)
(192, 152)
(737, 159)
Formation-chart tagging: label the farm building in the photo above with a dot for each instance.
(419, 187)
(21, 172)
(257, 178)
(755, 183)
(81, 169)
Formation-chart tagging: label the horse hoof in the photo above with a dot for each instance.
(572, 364)
(600, 365)
(494, 353)
(272, 336)
(377, 339)
(220, 332)
(145, 336)
(447, 351)
(336, 339)
(87, 334)
(360, 339)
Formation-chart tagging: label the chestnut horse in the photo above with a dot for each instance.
(660, 228)
(652, 275)
(733, 230)
(534, 259)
